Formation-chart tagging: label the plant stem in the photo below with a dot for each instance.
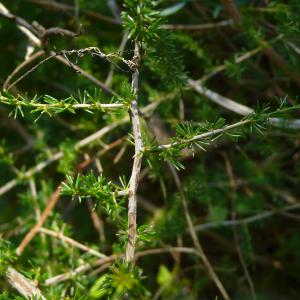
(136, 168)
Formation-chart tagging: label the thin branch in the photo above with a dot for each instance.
(66, 7)
(95, 51)
(120, 50)
(294, 47)
(58, 105)
(31, 234)
(194, 236)
(136, 168)
(5, 119)
(82, 268)
(74, 66)
(26, 287)
(109, 259)
(26, 62)
(198, 27)
(30, 71)
(221, 100)
(248, 220)
(71, 241)
(237, 60)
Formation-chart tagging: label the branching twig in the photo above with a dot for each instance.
(90, 50)
(97, 221)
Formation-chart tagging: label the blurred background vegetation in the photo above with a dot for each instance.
(242, 191)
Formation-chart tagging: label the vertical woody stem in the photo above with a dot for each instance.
(138, 156)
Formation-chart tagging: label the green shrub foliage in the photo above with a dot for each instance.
(149, 149)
